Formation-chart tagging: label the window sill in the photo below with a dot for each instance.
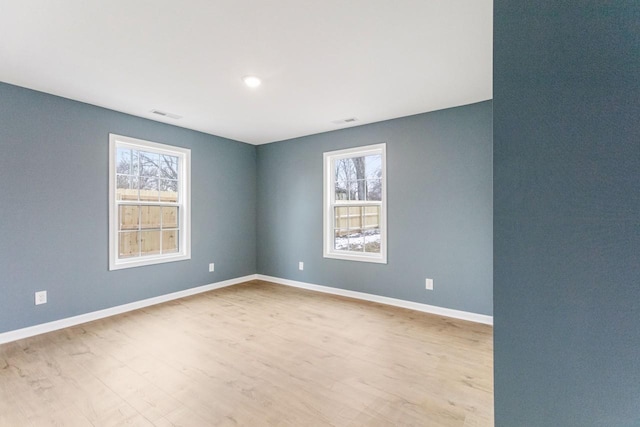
(142, 261)
(345, 256)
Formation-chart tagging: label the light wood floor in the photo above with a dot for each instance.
(255, 354)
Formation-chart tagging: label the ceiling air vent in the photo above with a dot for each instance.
(165, 114)
(345, 121)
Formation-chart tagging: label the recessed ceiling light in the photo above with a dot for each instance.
(251, 81)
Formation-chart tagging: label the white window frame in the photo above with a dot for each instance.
(329, 199)
(183, 204)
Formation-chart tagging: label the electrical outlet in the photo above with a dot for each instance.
(429, 284)
(212, 267)
(41, 297)
(301, 266)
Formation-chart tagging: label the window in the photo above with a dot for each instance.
(149, 207)
(355, 207)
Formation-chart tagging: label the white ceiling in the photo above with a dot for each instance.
(320, 60)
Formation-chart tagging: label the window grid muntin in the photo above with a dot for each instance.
(144, 173)
(350, 202)
(362, 225)
(141, 228)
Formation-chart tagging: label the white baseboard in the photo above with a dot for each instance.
(42, 328)
(448, 312)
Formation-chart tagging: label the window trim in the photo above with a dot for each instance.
(184, 202)
(329, 203)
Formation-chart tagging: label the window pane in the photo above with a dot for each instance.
(150, 242)
(356, 240)
(127, 187)
(149, 164)
(355, 217)
(169, 241)
(149, 189)
(168, 190)
(129, 217)
(123, 161)
(342, 192)
(341, 217)
(168, 167)
(123, 185)
(149, 217)
(123, 181)
(374, 189)
(373, 167)
(170, 217)
(372, 240)
(357, 228)
(340, 240)
(345, 170)
(128, 244)
(372, 216)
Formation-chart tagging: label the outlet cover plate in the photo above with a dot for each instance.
(429, 284)
(41, 297)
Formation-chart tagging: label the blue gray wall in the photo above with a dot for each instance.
(54, 208)
(439, 209)
(567, 213)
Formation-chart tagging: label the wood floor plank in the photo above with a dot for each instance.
(256, 354)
